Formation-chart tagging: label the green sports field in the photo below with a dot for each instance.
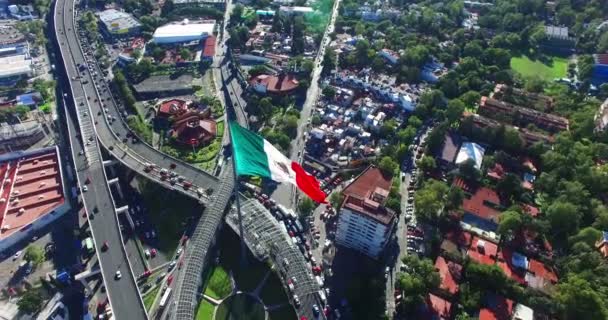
(556, 67)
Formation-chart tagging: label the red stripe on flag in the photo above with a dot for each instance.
(308, 184)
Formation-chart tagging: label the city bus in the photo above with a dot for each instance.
(165, 298)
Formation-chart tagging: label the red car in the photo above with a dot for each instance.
(105, 246)
(173, 166)
(153, 253)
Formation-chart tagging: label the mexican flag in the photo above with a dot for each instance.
(254, 156)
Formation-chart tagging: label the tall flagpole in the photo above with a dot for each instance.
(237, 201)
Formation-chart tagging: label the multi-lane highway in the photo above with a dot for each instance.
(97, 200)
(97, 119)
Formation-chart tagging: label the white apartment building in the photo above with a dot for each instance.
(364, 224)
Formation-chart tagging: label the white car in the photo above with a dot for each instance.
(118, 275)
(85, 188)
(147, 253)
(17, 255)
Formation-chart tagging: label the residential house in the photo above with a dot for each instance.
(483, 251)
(449, 149)
(479, 123)
(389, 55)
(435, 308)
(520, 116)
(601, 117)
(281, 84)
(480, 207)
(600, 69)
(364, 223)
(450, 274)
(558, 39)
(495, 307)
(523, 98)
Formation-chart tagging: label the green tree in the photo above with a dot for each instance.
(335, 199)
(454, 110)
(578, 299)
(430, 199)
(30, 302)
(185, 53)
(564, 218)
(306, 207)
(454, 198)
(427, 163)
(34, 254)
(510, 223)
(510, 186)
(418, 282)
(388, 166)
(588, 235)
(329, 91)
(469, 172)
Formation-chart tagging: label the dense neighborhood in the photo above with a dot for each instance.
(461, 148)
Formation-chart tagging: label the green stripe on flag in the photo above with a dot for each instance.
(248, 151)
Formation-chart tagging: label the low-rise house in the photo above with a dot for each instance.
(523, 98)
(448, 151)
(601, 117)
(480, 207)
(281, 84)
(520, 116)
(389, 55)
(600, 69)
(435, 308)
(450, 274)
(480, 123)
(483, 251)
(495, 307)
(133, 53)
(541, 277)
(456, 242)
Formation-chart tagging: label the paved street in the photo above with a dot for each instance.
(285, 194)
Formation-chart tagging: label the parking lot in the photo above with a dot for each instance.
(14, 271)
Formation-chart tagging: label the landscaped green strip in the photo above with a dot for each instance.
(219, 286)
(205, 310)
(150, 296)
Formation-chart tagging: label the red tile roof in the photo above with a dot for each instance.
(496, 308)
(478, 202)
(541, 270)
(282, 83)
(511, 271)
(459, 237)
(601, 58)
(209, 47)
(367, 194)
(192, 129)
(172, 107)
(483, 251)
(438, 307)
(450, 273)
(32, 187)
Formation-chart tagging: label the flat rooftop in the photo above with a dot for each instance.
(32, 187)
(15, 65)
(184, 29)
